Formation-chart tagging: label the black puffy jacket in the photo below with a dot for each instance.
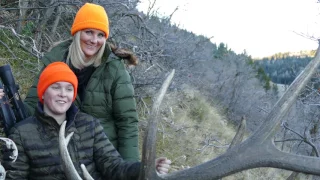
(39, 157)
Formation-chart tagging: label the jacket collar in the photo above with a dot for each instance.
(50, 121)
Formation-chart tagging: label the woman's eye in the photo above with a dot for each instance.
(101, 35)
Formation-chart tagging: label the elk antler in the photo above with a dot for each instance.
(69, 169)
(12, 146)
(256, 151)
(147, 170)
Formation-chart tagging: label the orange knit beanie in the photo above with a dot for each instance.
(55, 72)
(91, 16)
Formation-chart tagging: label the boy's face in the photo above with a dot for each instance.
(57, 98)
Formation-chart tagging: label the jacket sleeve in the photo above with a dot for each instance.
(20, 168)
(108, 160)
(125, 114)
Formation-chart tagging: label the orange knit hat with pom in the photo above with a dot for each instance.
(55, 72)
(91, 16)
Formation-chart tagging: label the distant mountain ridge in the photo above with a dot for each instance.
(283, 68)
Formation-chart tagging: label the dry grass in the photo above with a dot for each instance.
(192, 131)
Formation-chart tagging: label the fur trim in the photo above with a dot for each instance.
(125, 54)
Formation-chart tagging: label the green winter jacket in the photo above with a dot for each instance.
(109, 97)
(37, 140)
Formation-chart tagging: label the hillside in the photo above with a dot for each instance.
(212, 89)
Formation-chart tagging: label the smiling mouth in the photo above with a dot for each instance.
(61, 102)
(90, 46)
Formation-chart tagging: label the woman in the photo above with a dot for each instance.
(105, 88)
(37, 136)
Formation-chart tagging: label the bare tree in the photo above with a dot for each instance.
(56, 22)
(43, 23)
(23, 4)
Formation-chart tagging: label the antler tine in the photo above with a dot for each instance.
(69, 169)
(86, 174)
(2, 173)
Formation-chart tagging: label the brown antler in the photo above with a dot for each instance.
(69, 169)
(257, 151)
(147, 170)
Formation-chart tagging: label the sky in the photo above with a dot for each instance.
(262, 28)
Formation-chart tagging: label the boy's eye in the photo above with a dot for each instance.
(101, 35)
(54, 87)
(88, 32)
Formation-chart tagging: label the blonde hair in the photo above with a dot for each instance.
(77, 58)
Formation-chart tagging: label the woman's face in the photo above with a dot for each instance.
(57, 98)
(91, 41)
